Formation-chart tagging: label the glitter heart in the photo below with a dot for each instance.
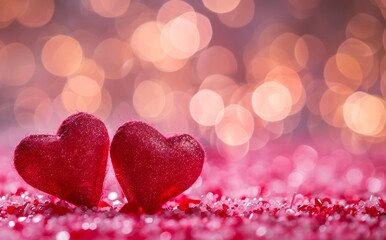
(151, 168)
(70, 165)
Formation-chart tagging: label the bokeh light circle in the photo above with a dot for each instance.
(146, 43)
(172, 9)
(150, 99)
(180, 38)
(216, 60)
(239, 16)
(331, 107)
(110, 8)
(272, 101)
(33, 107)
(36, 13)
(83, 85)
(236, 125)
(115, 57)
(290, 79)
(221, 6)
(75, 102)
(205, 107)
(17, 64)
(364, 113)
(62, 55)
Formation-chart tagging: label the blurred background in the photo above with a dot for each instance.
(283, 95)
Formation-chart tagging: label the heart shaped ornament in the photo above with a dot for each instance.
(151, 168)
(70, 165)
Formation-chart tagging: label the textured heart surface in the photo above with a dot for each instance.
(151, 168)
(70, 165)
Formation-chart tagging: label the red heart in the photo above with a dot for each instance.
(70, 165)
(152, 169)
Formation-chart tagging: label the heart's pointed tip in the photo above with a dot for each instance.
(80, 200)
(132, 208)
(151, 209)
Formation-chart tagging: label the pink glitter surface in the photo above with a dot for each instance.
(287, 99)
(331, 202)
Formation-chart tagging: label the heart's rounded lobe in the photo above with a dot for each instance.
(70, 165)
(151, 168)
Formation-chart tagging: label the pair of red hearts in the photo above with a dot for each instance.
(71, 165)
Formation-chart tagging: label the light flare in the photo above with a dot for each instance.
(62, 55)
(272, 101)
(365, 114)
(205, 107)
(236, 125)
